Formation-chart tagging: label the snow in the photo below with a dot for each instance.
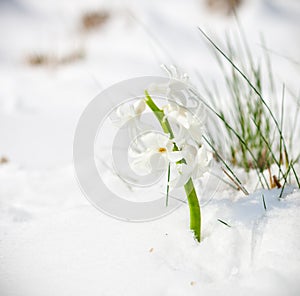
(52, 240)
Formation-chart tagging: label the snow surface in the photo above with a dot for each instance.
(52, 240)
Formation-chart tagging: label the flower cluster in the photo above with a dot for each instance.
(176, 149)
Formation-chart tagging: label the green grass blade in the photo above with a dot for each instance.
(223, 222)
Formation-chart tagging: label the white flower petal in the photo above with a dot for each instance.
(202, 162)
(158, 162)
(183, 176)
(161, 140)
(174, 156)
(189, 154)
(141, 165)
(196, 132)
(148, 140)
(128, 111)
(139, 106)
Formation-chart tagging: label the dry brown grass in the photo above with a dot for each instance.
(43, 59)
(225, 6)
(3, 160)
(94, 19)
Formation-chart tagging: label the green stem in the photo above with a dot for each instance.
(160, 115)
(195, 213)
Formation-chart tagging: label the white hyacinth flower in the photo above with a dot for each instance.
(176, 74)
(196, 164)
(190, 124)
(128, 112)
(152, 152)
(176, 88)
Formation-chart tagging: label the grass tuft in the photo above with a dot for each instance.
(254, 135)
